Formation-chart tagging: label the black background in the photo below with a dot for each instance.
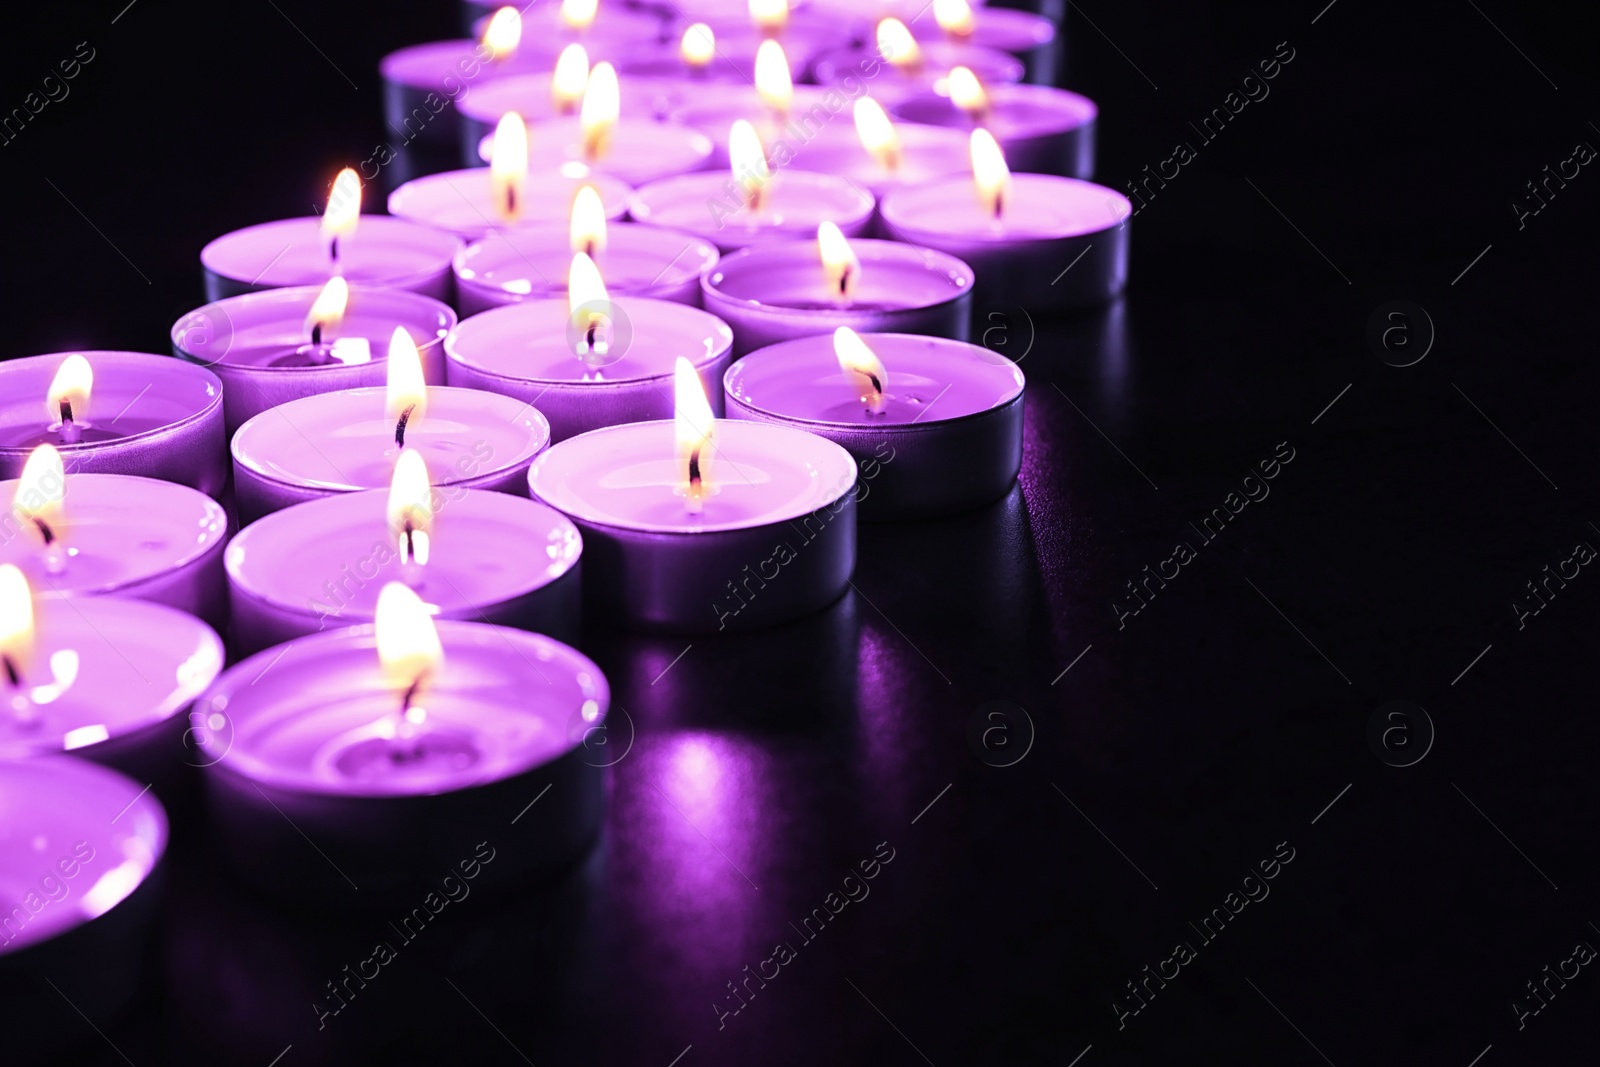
(1220, 721)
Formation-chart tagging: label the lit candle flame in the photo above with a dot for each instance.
(954, 17)
(410, 508)
(343, 212)
(406, 394)
(769, 16)
(694, 427)
(408, 643)
(748, 161)
(589, 306)
(508, 165)
(990, 173)
(578, 15)
(602, 104)
(862, 368)
(67, 399)
(503, 33)
(839, 261)
(327, 310)
(699, 44)
(966, 93)
(588, 228)
(773, 82)
(570, 79)
(16, 624)
(896, 45)
(877, 133)
(41, 496)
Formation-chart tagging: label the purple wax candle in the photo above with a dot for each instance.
(698, 524)
(105, 678)
(95, 534)
(1038, 240)
(544, 352)
(787, 289)
(1042, 130)
(281, 344)
(394, 743)
(935, 424)
(491, 557)
(1029, 37)
(910, 68)
(136, 413)
(79, 849)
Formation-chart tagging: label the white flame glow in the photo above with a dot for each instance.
(570, 79)
(839, 262)
(602, 105)
(410, 508)
(405, 394)
(990, 174)
(862, 368)
(698, 46)
(773, 81)
(896, 45)
(503, 33)
(694, 429)
(877, 133)
(748, 161)
(588, 227)
(508, 165)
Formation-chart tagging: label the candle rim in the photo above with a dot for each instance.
(949, 266)
(614, 199)
(97, 358)
(999, 235)
(449, 244)
(620, 240)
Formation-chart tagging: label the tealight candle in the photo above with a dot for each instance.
(885, 155)
(910, 68)
(935, 424)
(710, 56)
(531, 263)
(106, 678)
(398, 745)
(774, 292)
(343, 441)
(586, 360)
(602, 28)
(1043, 130)
(130, 413)
(1038, 240)
(94, 534)
(282, 344)
(474, 202)
(756, 205)
(1029, 37)
(557, 95)
(698, 524)
(79, 849)
(474, 555)
(372, 250)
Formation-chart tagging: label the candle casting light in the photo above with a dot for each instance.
(588, 227)
(410, 651)
(773, 81)
(862, 368)
(16, 633)
(602, 105)
(990, 174)
(839, 262)
(405, 394)
(954, 18)
(343, 212)
(68, 398)
(694, 428)
(966, 93)
(327, 311)
(410, 514)
(748, 161)
(699, 44)
(897, 46)
(589, 306)
(40, 503)
(769, 16)
(877, 133)
(503, 33)
(570, 79)
(578, 15)
(508, 165)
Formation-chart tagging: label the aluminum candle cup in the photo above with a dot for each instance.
(926, 153)
(462, 201)
(778, 291)
(319, 566)
(532, 263)
(149, 415)
(949, 437)
(1029, 37)
(794, 203)
(1061, 243)
(1042, 130)
(526, 351)
(342, 442)
(383, 253)
(842, 67)
(79, 879)
(109, 679)
(641, 150)
(125, 536)
(259, 346)
(313, 749)
(776, 541)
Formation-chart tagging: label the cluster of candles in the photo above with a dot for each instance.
(453, 427)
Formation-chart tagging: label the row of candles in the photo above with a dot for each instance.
(650, 367)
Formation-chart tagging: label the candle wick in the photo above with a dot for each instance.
(70, 433)
(846, 276)
(409, 536)
(696, 486)
(999, 204)
(45, 531)
(400, 427)
(411, 693)
(316, 333)
(333, 249)
(13, 674)
(511, 201)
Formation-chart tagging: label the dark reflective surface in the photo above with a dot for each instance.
(1071, 775)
